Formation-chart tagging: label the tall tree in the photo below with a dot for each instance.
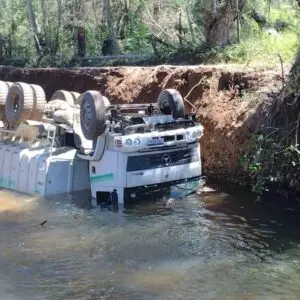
(34, 26)
(219, 21)
(55, 47)
(112, 46)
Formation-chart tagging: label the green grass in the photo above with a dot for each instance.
(261, 47)
(262, 50)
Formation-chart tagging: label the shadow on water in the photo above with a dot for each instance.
(209, 246)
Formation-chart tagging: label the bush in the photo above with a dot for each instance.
(272, 165)
(274, 159)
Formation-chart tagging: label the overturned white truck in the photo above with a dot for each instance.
(79, 142)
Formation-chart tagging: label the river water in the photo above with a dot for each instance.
(217, 246)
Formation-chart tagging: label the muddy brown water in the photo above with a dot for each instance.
(218, 246)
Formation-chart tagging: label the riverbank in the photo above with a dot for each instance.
(229, 101)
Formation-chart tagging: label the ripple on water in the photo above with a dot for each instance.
(143, 252)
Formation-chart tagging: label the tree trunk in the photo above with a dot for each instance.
(34, 26)
(1, 49)
(238, 21)
(122, 26)
(214, 7)
(81, 44)
(190, 24)
(44, 15)
(180, 29)
(55, 47)
(217, 26)
(156, 10)
(112, 43)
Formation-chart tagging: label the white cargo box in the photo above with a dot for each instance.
(34, 171)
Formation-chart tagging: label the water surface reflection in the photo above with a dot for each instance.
(218, 246)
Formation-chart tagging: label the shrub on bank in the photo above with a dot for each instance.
(274, 160)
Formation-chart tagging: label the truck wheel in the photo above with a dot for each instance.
(105, 99)
(19, 102)
(9, 84)
(75, 96)
(3, 93)
(57, 105)
(170, 102)
(39, 102)
(63, 95)
(92, 114)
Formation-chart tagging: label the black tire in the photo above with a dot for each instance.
(3, 93)
(39, 102)
(63, 95)
(170, 102)
(92, 114)
(19, 103)
(105, 99)
(75, 96)
(9, 84)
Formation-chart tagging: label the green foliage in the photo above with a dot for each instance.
(274, 159)
(262, 50)
(283, 13)
(137, 34)
(261, 47)
(271, 164)
(135, 22)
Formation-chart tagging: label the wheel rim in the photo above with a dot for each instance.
(15, 102)
(86, 114)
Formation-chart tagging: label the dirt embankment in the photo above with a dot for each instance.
(229, 104)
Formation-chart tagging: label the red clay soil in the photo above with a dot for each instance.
(229, 104)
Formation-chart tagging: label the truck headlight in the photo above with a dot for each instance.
(199, 133)
(137, 142)
(188, 136)
(191, 136)
(129, 142)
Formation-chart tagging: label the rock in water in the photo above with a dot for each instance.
(169, 203)
(205, 189)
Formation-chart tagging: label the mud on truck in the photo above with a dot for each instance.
(77, 142)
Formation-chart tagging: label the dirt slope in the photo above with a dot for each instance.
(229, 104)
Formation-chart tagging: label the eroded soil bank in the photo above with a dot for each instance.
(229, 104)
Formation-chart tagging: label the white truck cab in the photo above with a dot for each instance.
(142, 148)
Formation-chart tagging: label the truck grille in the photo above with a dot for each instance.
(160, 160)
(174, 125)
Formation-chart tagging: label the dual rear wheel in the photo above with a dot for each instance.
(4, 87)
(69, 97)
(21, 101)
